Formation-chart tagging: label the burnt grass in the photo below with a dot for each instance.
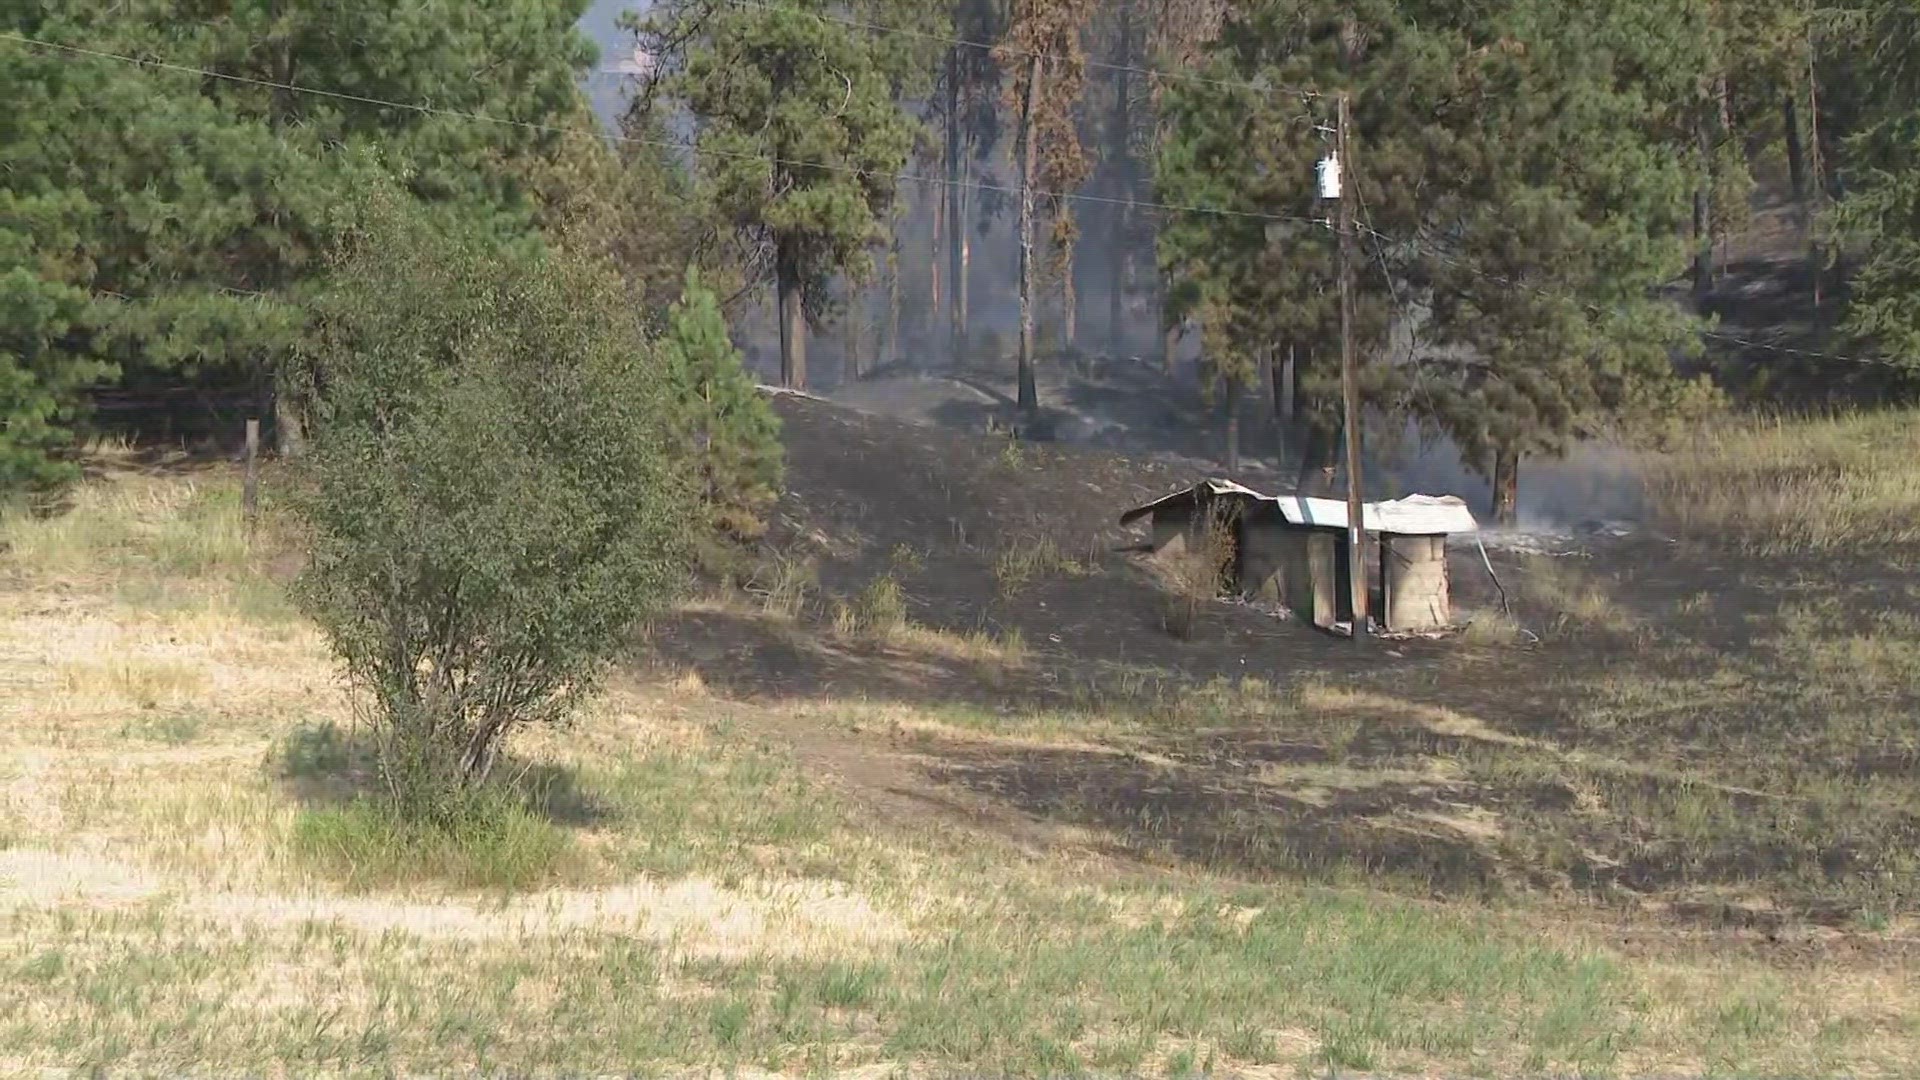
(1700, 735)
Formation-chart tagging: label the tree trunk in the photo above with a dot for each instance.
(1269, 380)
(1029, 395)
(1506, 487)
(1320, 457)
(956, 220)
(1069, 299)
(1233, 425)
(891, 357)
(854, 368)
(1796, 148)
(1119, 255)
(1816, 261)
(934, 259)
(1170, 349)
(289, 426)
(963, 285)
(1284, 394)
(1702, 216)
(793, 319)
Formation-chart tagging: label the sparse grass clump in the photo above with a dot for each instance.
(785, 585)
(1781, 486)
(879, 612)
(1024, 562)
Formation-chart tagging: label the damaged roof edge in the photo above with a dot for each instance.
(1415, 515)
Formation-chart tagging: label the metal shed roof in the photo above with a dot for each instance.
(1415, 515)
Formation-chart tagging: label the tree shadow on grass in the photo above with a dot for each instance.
(324, 765)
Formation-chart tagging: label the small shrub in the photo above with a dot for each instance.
(784, 586)
(484, 838)
(720, 415)
(880, 611)
(882, 607)
(493, 497)
(1024, 562)
(1191, 575)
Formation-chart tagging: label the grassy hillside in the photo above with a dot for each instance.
(841, 822)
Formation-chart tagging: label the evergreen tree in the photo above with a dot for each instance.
(801, 136)
(1881, 212)
(1522, 179)
(719, 415)
(189, 210)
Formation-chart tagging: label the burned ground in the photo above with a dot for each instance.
(1695, 734)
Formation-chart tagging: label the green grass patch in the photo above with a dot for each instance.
(493, 842)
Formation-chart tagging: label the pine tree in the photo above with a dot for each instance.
(189, 211)
(1522, 178)
(802, 134)
(719, 414)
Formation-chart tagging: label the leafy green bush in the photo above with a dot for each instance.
(720, 414)
(493, 495)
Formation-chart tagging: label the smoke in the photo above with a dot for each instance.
(1593, 482)
(1134, 412)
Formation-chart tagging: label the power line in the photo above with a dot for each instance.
(1156, 73)
(904, 177)
(693, 148)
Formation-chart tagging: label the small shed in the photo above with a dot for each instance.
(1292, 551)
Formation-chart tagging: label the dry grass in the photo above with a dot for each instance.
(725, 909)
(1023, 563)
(1192, 571)
(1793, 486)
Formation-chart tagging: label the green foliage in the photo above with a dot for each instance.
(1532, 151)
(802, 127)
(156, 223)
(39, 380)
(494, 499)
(1881, 216)
(719, 414)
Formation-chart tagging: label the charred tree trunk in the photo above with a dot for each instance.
(934, 259)
(1119, 256)
(1029, 395)
(793, 319)
(1069, 299)
(1506, 487)
(1320, 455)
(1702, 217)
(956, 220)
(1283, 387)
(1796, 146)
(1233, 425)
(1170, 350)
(890, 356)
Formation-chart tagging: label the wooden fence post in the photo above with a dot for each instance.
(250, 495)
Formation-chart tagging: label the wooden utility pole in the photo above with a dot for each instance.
(1350, 366)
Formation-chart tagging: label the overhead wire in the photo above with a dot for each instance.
(692, 148)
(1011, 50)
(901, 176)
